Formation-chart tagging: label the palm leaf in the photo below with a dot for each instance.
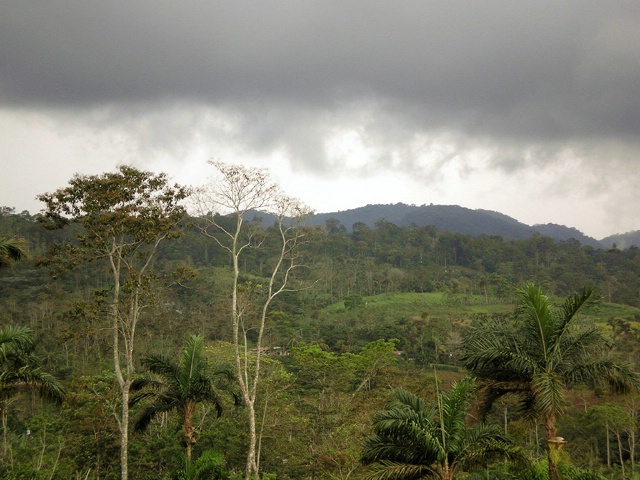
(617, 376)
(538, 325)
(414, 440)
(161, 404)
(163, 366)
(548, 389)
(388, 470)
(12, 249)
(171, 386)
(15, 339)
(20, 369)
(572, 306)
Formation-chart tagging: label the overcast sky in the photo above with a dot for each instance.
(529, 108)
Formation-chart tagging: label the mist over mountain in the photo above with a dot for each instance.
(622, 240)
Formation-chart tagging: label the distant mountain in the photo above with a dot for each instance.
(449, 218)
(562, 233)
(622, 240)
(452, 218)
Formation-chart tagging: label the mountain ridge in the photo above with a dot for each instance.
(466, 221)
(454, 219)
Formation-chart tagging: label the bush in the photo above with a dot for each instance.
(536, 471)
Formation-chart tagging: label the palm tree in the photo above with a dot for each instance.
(181, 387)
(538, 357)
(20, 369)
(415, 440)
(11, 249)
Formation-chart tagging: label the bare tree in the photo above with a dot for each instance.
(224, 206)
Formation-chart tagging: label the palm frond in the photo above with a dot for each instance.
(20, 369)
(578, 345)
(489, 391)
(619, 377)
(572, 306)
(31, 377)
(538, 323)
(486, 441)
(454, 409)
(388, 470)
(147, 382)
(161, 365)
(489, 351)
(413, 440)
(548, 389)
(12, 249)
(152, 410)
(15, 339)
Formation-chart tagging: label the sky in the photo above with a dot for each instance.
(528, 108)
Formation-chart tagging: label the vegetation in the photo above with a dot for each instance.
(239, 192)
(181, 387)
(538, 358)
(386, 303)
(123, 218)
(11, 250)
(20, 369)
(413, 440)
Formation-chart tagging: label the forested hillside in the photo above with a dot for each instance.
(453, 219)
(375, 307)
(622, 240)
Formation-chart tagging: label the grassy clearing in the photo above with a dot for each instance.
(410, 304)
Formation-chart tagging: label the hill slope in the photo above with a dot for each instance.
(622, 240)
(453, 218)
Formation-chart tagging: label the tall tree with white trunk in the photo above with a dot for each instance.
(224, 206)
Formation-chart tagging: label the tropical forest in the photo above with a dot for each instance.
(150, 330)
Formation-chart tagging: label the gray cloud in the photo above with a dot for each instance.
(525, 82)
(529, 69)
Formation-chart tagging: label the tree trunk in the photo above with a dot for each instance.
(252, 465)
(554, 446)
(3, 412)
(608, 445)
(632, 448)
(447, 470)
(187, 429)
(506, 421)
(617, 432)
(124, 435)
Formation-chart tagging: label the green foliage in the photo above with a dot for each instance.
(12, 249)
(353, 301)
(415, 440)
(21, 370)
(536, 471)
(208, 466)
(181, 387)
(414, 284)
(538, 357)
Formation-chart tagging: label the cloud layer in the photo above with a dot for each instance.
(534, 97)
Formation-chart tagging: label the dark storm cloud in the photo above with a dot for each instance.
(511, 75)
